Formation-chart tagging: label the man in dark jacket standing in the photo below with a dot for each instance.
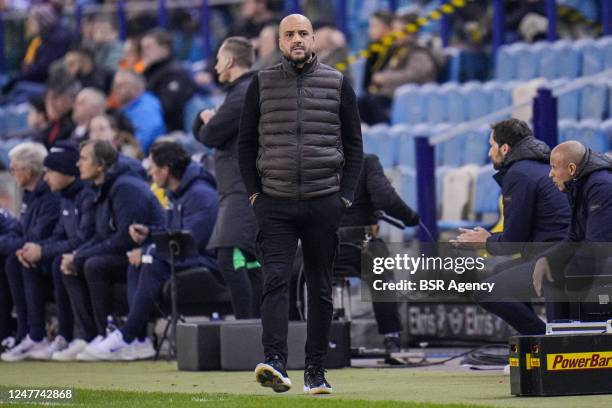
(121, 200)
(75, 227)
(374, 193)
(193, 207)
(166, 77)
(39, 214)
(535, 213)
(586, 177)
(300, 156)
(235, 231)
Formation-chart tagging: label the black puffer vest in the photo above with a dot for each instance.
(300, 148)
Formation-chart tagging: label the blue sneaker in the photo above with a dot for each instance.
(272, 374)
(315, 382)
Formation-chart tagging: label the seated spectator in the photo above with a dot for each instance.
(74, 228)
(108, 127)
(266, 45)
(108, 48)
(142, 108)
(254, 16)
(48, 41)
(192, 193)
(121, 200)
(80, 64)
(187, 39)
(89, 103)
(9, 230)
(28, 283)
(331, 46)
(166, 77)
(409, 63)
(59, 100)
(37, 117)
(379, 27)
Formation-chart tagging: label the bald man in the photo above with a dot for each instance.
(300, 155)
(89, 103)
(586, 177)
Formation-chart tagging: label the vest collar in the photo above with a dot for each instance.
(290, 67)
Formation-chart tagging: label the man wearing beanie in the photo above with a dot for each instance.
(75, 227)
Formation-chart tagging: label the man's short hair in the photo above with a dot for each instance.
(172, 155)
(104, 154)
(83, 49)
(510, 132)
(161, 36)
(31, 155)
(385, 16)
(241, 49)
(63, 85)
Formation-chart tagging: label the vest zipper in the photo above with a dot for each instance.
(299, 137)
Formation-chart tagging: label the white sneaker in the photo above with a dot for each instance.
(8, 343)
(24, 349)
(143, 350)
(84, 355)
(112, 348)
(70, 353)
(58, 344)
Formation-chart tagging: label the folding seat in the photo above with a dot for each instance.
(594, 100)
(591, 134)
(568, 104)
(477, 146)
(478, 100)
(408, 106)
(358, 73)
(437, 104)
(505, 63)
(457, 106)
(527, 64)
(569, 60)
(592, 57)
(405, 142)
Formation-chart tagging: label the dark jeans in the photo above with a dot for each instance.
(513, 285)
(244, 284)
(386, 313)
(281, 224)
(374, 109)
(101, 274)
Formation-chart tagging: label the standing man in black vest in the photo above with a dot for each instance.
(300, 156)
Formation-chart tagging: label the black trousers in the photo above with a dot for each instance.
(386, 313)
(244, 284)
(281, 224)
(80, 301)
(513, 286)
(101, 273)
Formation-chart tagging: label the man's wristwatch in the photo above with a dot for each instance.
(346, 201)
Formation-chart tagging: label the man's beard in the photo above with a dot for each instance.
(301, 60)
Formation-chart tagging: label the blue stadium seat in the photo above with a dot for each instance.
(591, 134)
(437, 104)
(440, 172)
(408, 187)
(405, 141)
(477, 99)
(548, 62)
(592, 56)
(568, 130)
(569, 60)
(594, 101)
(453, 63)
(606, 128)
(451, 152)
(500, 94)
(408, 105)
(477, 146)
(568, 104)
(505, 63)
(388, 147)
(372, 138)
(607, 46)
(457, 107)
(527, 64)
(487, 191)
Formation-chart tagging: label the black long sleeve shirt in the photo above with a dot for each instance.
(350, 134)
